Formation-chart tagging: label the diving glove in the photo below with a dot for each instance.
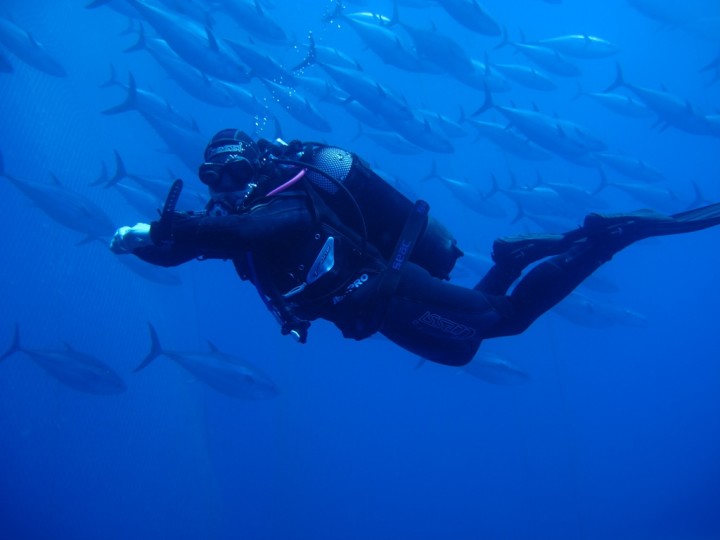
(128, 239)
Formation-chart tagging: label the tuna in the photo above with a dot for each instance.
(225, 373)
(79, 371)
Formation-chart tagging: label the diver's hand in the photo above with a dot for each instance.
(128, 239)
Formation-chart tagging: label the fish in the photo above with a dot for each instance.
(510, 140)
(670, 109)
(482, 77)
(585, 311)
(575, 195)
(119, 6)
(545, 57)
(335, 57)
(261, 64)
(619, 103)
(250, 15)
(564, 138)
(66, 207)
(194, 81)
(420, 132)
(495, 369)
(146, 102)
(5, 64)
(714, 121)
(186, 144)
(437, 48)
(539, 200)
(156, 186)
(223, 372)
(365, 116)
(631, 167)
(469, 195)
(389, 46)
(450, 127)
(651, 195)
(147, 204)
(23, 45)
(526, 76)
(472, 15)
(581, 46)
(700, 17)
(298, 106)
(322, 89)
(75, 369)
(369, 92)
(156, 274)
(195, 44)
(392, 142)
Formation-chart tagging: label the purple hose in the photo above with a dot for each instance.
(287, 184)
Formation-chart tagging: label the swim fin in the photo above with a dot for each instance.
(646, 223)
(522, 250)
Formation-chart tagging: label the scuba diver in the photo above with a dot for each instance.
(320, 235)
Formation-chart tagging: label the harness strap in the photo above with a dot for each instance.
(415, 224)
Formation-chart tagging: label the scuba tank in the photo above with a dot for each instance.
(384, 209)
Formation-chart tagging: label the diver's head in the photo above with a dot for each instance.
(232, 163)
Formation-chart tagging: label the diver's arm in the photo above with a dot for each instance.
(137, 240)
(165, 255)
(224, 237)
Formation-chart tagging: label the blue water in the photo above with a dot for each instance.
(616, 435)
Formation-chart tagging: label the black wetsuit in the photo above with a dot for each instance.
(275, 240)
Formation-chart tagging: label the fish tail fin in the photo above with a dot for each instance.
(519, 216)
(619, 80)
(278, 134)
(130, 103)
(487, 104)
(433, 174)
(96, 3)
(130, 28)
(311, 57)
(715, 79)
(359, 133)
(89, 239)
(155, 349)
(713, 64)
(395, 17)
(120, 171)
(103, 178)
(462, 118)
(603, 182)
(494, 186)
(698, 197)
(336, 12)
(141, 43)
(112, 79)
(579, 92)
(504, 41)
(15, 346)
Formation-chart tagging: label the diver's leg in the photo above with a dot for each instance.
(603, 236)
(512, 254)
(437, 320)
(550, 282)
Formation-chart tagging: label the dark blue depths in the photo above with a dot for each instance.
(602, 420)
